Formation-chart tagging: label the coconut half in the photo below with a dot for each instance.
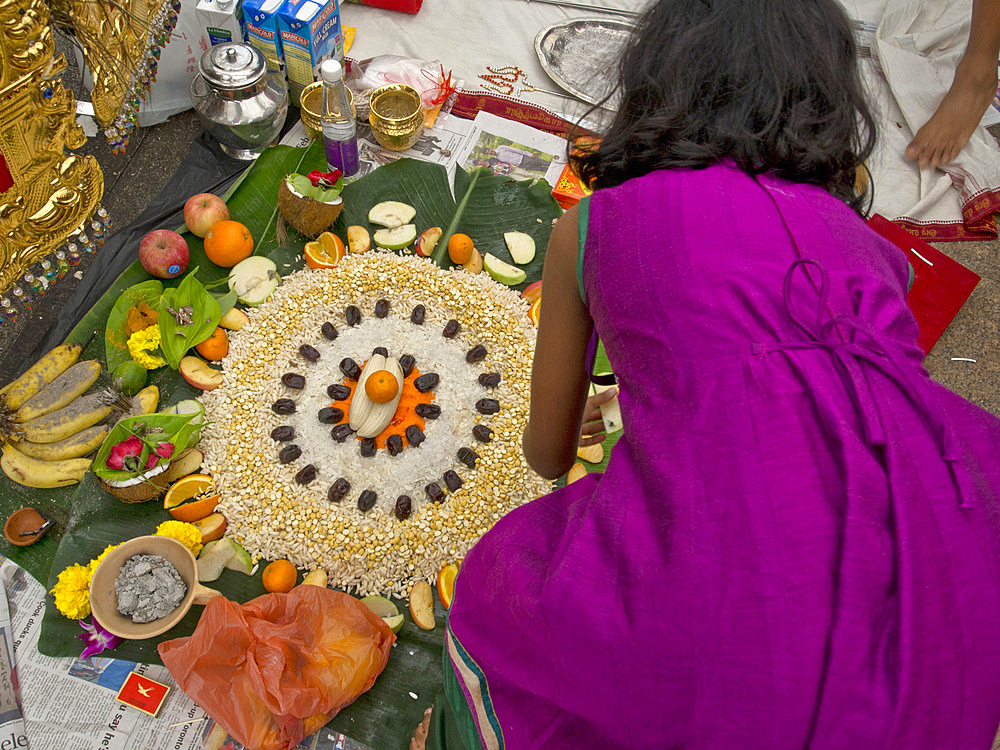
(307, 215)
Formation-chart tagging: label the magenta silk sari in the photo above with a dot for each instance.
(796, 541)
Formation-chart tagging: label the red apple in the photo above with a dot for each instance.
(200, 375)
(532, 291)
(164, 253)
(212, 527)
(203, 211)
(427, 241)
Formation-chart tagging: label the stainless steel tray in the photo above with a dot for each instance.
(581, 55)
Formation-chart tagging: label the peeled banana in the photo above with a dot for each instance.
(40, 374)
(58, 425)
(75, 446)
(32, 472)
(366, 417)
(61, 391)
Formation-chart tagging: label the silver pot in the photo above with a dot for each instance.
(240, 102)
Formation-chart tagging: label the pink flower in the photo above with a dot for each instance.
(130, 447)
(96, 637)
(163, 450)
(324, 179)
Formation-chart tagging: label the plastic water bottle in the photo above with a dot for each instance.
(339, 131)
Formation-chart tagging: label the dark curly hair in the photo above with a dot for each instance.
(771, 84)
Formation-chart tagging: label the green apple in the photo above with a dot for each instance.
(521, 246)
(391, 214)
(505, 273)
(396, 238)
(254, 280)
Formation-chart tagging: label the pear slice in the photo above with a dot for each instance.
(521, 246)
(214, 557)
(396, 238)
(358, 239)
(391, 214)
(241, 558)
(579, 471)
(505, 273)
(422, 605)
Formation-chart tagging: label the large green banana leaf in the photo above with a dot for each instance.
(88, 519)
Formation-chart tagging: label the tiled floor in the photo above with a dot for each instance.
(154, 154)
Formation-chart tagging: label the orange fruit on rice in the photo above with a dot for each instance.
(215, 347)
(460, 248)
(381, 386)
(535, 311)
(326, 251)
(191, 498)
(279, 577)
(446, 584)
(227, 243)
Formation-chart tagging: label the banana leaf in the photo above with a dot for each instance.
(88, 519)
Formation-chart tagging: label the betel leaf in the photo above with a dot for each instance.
(226, 301)
(151, 429)
(115, 336)
(180, 328)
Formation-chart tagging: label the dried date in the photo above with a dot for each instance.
(468, 457)
(487, 406)
(294, 380)
(338, 392)
(414, 435)
(426, 381)
(283, 406)
(450, 329)
(452, 480)
(380, 350)
(367, 501)
(382, 308)
(283, 433)
(417, 316)
(350, 368)
(306, 474)
(476, 354)
(330, 415)
(394, 444)
(482, 433)
(341, 432)
(309, 352)
(368, 447)
(489, 379)
(329, 331)
(404, 507)
(428, 411)
(353, 315)
(289, 453)
(406, 362)
(338, 490)
(434, 492)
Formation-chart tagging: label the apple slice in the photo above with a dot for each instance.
(475, 263)
(358, 239)
(315, 578)
(213, 559)
(199, 374)
(579, 471)
(391, 214)
(186, 463)
(396, 238)
(422, 605)
(505, 273)
(240, 561)
(234, 319)
(427, 241)
(212, 526)
(532, 292)
(592, 454)
(254, 280)
(521, 246)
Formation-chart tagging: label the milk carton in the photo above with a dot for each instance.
(221, 20)
(310, 34)
(261, 20)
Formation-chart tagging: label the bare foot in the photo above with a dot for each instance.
(958, 114)
(420, 733)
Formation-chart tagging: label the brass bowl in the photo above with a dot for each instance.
(311, 105)
(104, 599)
(396, 117)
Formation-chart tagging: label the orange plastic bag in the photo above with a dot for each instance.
(276, 669)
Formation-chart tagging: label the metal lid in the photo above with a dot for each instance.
(232, 65)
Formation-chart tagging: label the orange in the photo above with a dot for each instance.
(227, 243)
(326, 252)
(381, 386)
(196, 488)
(460, 248)
(446, 583)
(215, 347)
(535, 311)
(279, 576)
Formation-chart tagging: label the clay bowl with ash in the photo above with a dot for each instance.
(104, 598)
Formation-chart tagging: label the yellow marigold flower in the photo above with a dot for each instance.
(72, 592)
(142, 343)
(97, 560)
(185, 533)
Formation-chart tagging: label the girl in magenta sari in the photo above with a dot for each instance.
(796, 542)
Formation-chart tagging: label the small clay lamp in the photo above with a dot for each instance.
(25, 526)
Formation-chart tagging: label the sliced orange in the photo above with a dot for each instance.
(191, 498)
(326, 251)
(535, 311)
(446, 584)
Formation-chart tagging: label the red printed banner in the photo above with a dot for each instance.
(469, 103)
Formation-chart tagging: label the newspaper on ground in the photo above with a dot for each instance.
(71, 704)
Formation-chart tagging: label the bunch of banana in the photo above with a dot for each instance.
(48, 421)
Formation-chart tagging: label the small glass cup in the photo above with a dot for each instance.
(396, 117)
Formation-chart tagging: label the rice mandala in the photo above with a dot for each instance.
(297, 483)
